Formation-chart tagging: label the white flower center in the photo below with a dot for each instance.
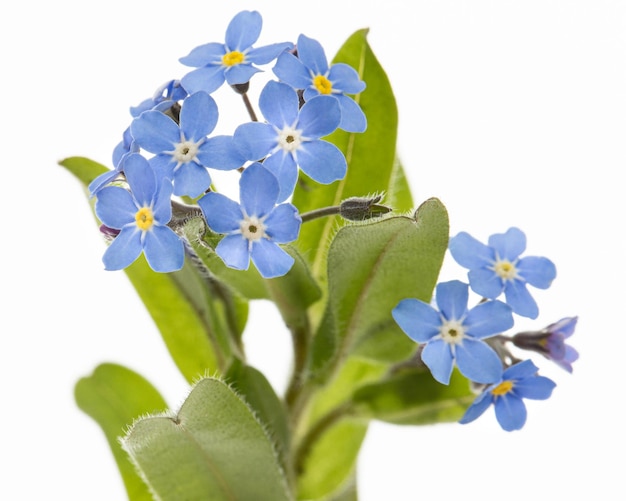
(452, 331)
(505, 269)
(252, 228)
(185, 151)
(289, 139)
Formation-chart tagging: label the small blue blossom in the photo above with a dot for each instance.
(291, 137)
(454, 334)
(309, 71)
(497, 267)
(163, 99)
(550, 342)
(141, 216)
(182, 150)
(255, 226)
(231, 61)
(518, 382)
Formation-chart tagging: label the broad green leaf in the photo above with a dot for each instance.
(414, 397)
(398, 193)
(329, 469)
(257, 391)
(196, 322)
(371, 267)
(114, 396)
(213, 448)
(370, 155)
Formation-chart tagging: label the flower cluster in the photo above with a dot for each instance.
(472, 339)
(170, 148)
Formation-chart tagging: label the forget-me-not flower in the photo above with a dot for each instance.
(232, 61)
(454, 333)
(183, 151)
(310, 72)
(291, 137)
(141, 216)
(255, 226)
(497, 267)
(550, 342)
(518, 382)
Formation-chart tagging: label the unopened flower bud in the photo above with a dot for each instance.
(360, 208)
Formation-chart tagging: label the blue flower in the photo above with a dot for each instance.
(233, 61)
(256, 226)
(497, 268)
(163, 98)
(518, 382)
(291, 137)
(310, 72)
(183, 151)
(454, 333)
(550, 342)
(141, 215)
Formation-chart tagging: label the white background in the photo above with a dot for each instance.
(511, 112)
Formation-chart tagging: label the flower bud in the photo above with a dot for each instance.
(360, 208)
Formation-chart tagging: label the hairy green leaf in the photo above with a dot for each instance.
(213, 448)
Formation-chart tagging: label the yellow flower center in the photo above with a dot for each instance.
(144, 218)
(322, 84)
(503, 388)
(505, 269)
(233, 58)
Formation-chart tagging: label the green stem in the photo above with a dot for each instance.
(323, 212)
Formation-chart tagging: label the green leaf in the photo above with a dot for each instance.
(414, 397)
(114, 396)
(398, 193)
(254, 387)
(371, 267)
(214, 448)
(330, 467)
(370, 155)
(200, 324)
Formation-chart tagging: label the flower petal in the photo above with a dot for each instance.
(191, 179)
(243, 30)
(535, 388)
(322, 161)
(352, 116)
(319, 117)
(282, 224)
(477, 361)
(270, 259)
(438, 358)
(510, 412)
(141, 179)
(163, 249)
(206, 78)
(124, 249)
(284, 167)
(267, 53)
(209, 53)
(155, 132)
(508, 245)
(485, 282)
(198, 116)
(518, 298)
(289, 69)
(312, 54)
(115, 207)
(222, 214)
(418, 320)
(233, 249)
(255, 140)
(241, 73)
(451, 298)
(469, 252)
(537, 271)
(279, 104)
(220, 152)
(488, 318)
(478, 407)
(345, 78)
(258, 190)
